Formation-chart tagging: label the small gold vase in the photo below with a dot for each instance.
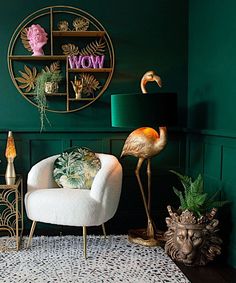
(51, 87)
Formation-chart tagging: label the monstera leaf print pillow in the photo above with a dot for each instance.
(76, 168)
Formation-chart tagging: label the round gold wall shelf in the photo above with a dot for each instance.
(71, 32)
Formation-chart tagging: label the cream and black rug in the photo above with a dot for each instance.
(60, 260)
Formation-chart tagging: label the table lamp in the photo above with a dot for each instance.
(144, 110)
(10, 155)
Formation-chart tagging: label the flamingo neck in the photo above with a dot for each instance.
(163, 137)
(142, 85)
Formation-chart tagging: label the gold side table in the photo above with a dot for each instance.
(11, 212)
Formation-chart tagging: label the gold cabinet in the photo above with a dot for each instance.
(72, 33)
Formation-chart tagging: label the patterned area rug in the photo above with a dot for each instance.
(60, 260)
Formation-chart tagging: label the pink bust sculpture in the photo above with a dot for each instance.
(37, 39)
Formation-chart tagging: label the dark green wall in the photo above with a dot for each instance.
(211, 138)
(152, 36)
(212, 61)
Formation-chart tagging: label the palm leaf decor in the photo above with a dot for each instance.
(90, 84)
(94, 48)
(25, 40)
(54, 67)
(80, 24)
(28, 79)
(70, 49)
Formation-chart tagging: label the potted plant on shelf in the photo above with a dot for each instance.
(192, 237)
(46, 83)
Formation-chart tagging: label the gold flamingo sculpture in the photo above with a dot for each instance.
(144, 143)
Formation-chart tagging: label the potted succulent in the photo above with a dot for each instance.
(192, 237)
(46, 83)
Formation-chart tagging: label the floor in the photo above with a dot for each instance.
(211, 273)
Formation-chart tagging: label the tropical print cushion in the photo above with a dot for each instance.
(76, 168)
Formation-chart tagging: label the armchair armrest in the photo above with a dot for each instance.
(40, 175)
(108, 179)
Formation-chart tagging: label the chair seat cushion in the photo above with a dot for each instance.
(64, 207)
(76, 168)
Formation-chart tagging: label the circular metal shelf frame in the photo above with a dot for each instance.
(48, 14)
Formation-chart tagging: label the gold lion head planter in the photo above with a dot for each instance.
(192, 240)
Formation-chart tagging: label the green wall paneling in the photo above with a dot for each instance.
(228, 163)
(45, 148)
(212, 160)
(33, 146)
(218, 168)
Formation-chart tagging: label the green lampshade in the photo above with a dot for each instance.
(141, 110)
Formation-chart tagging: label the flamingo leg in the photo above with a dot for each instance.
(150, 229)
(149, 183)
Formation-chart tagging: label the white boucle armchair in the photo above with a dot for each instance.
(46, 202)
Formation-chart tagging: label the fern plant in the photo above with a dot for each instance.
(193, 198)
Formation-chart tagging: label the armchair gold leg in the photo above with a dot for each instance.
(31, 233)
(104, 230)
(85, 241)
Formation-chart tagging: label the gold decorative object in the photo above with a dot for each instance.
(81, 24)
(25, 39)
(70, 49)
(144, 143)
(149, 76)
(86, 84)
(77, 86)
(54, 67)
(27, 79)
(90, 84)
(11, 213)
(93, 48)
(10, 155)
(192, 240)
(51, 87)
(63, 26)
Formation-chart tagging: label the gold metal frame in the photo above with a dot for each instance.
(51, 11)
(11, 214)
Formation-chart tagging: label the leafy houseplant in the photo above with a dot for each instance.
(191, 236)
(52, 75)
(193, 197)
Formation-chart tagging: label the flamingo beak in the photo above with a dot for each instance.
(157, 79)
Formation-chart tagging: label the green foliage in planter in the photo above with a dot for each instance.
(51, 74)
(193, 197)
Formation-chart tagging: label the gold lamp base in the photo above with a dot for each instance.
(140, 237)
